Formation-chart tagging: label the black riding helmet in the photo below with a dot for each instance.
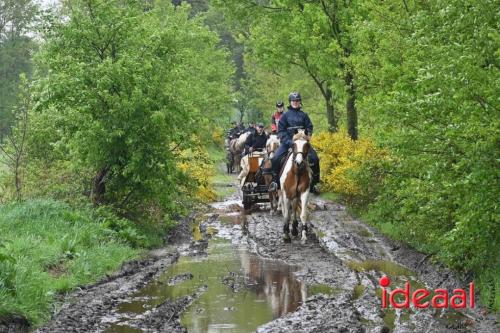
(279, 104)
(294, 96)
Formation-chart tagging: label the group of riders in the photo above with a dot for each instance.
(284, 125)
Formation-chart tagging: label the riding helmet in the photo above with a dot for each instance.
(294, 96)
(279, 104)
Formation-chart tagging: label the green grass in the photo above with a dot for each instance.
(47, 247)
(330, 196)
(221, 177)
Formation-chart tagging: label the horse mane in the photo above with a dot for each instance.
(301, 135)
(242, 139)
(272, 138)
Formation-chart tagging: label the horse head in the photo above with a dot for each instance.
(300, 150)
(272, 145)
(301, 131)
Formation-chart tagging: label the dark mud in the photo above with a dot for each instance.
(334, 275)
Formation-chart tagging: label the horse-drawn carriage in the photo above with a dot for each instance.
(254, 187)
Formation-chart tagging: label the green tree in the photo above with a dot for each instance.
(313, 35)
(125, 87)
(428, 74)
(16, 46)
(13, 148)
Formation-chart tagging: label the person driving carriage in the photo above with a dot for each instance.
(257, 140)
(290, 121)
(277, 116)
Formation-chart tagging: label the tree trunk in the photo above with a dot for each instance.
(330, 111)
(99, 187)
(352, 114)
(17, 180)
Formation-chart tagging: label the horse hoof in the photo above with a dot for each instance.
(295, 232)
(286, 238)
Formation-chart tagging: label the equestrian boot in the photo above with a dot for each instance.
(315, 181)
(274, 184)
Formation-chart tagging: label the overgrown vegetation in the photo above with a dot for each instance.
(423, 80)
(48, 248)
(106, 143)
(125, 100)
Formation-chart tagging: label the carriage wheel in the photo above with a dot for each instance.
(247, 201)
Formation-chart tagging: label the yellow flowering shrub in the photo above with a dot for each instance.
(344, 163)
(218, 135)
(195, 163)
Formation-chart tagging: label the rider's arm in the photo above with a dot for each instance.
(273, 120)
(308, 125)
(249, 141)
(283, 128)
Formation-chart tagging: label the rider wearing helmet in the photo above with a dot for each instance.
(232, 133)
(277, 116)
(291, 120)
(251, 127)
(256, 141)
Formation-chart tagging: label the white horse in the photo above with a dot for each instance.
(236, 147)
(295, 181)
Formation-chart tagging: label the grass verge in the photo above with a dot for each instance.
(48, 248)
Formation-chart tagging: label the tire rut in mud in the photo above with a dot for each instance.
(341, 254)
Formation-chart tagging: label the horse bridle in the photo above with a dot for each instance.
(304, 156)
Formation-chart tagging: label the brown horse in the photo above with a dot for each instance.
(272, 145)
(295, 181)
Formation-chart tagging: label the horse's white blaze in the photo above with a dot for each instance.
(300, 149)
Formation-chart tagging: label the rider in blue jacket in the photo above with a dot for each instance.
(292, 120)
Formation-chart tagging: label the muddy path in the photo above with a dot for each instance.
(226, 270)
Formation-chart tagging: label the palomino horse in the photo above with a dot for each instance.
(272, 145)
(236, 147)
(295, 181)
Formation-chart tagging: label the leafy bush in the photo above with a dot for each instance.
(122, 115)
(350, 168)
(197, 165)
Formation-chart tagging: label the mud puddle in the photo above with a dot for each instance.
(236, 283)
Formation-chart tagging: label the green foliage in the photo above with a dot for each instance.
(16, 47)
(429, 81)
(115, 102)
(47, 247)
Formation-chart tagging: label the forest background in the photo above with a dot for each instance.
(112, 116)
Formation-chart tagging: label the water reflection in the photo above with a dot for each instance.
(243, 291)
(275, 282)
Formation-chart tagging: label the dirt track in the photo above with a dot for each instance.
(342, 256)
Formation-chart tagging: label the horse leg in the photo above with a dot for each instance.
(303, 215)
(286, 220)
(280, 201)
(274, 202)
(295, 222)
(271, 202)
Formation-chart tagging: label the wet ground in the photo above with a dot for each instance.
(227, 270)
